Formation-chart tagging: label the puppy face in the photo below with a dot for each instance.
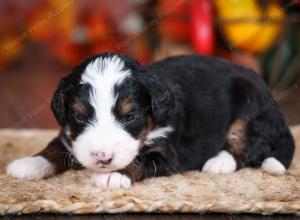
(108, 112)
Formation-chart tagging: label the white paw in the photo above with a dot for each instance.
(273, 166)
(30, 168)
(222, 163)
(111, 180)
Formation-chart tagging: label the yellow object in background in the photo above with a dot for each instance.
(247, 32)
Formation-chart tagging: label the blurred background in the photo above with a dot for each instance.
(41, 40)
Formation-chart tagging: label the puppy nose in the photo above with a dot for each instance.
(102, 157)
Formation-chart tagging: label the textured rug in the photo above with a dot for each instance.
(246, 191)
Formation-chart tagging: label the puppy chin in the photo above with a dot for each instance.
(104, 168)
(107, 169)
(118, 164)
(88, 164)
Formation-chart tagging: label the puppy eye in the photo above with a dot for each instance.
(130, 117)
(79, 117)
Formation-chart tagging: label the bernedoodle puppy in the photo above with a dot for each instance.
(127, 121)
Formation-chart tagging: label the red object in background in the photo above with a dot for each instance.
(173, 23)
(202, 27)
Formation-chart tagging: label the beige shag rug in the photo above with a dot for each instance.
(246, 191)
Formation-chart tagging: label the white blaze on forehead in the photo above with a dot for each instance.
(103, 74)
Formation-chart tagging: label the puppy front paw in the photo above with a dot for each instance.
(30, 168)
(111, 180)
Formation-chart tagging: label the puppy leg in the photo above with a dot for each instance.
(52, 160)
(147, 166)
(111, 180)
(224, 162)
(121, 179)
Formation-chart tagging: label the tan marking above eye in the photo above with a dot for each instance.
(79, 107)
(126, 106)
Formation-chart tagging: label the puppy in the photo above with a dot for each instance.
(127, 121)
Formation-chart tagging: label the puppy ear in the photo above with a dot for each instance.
(58, 102)
(162, 99)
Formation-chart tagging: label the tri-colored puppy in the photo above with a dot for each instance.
(127, 121)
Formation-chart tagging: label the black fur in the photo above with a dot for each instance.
(200, 97)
